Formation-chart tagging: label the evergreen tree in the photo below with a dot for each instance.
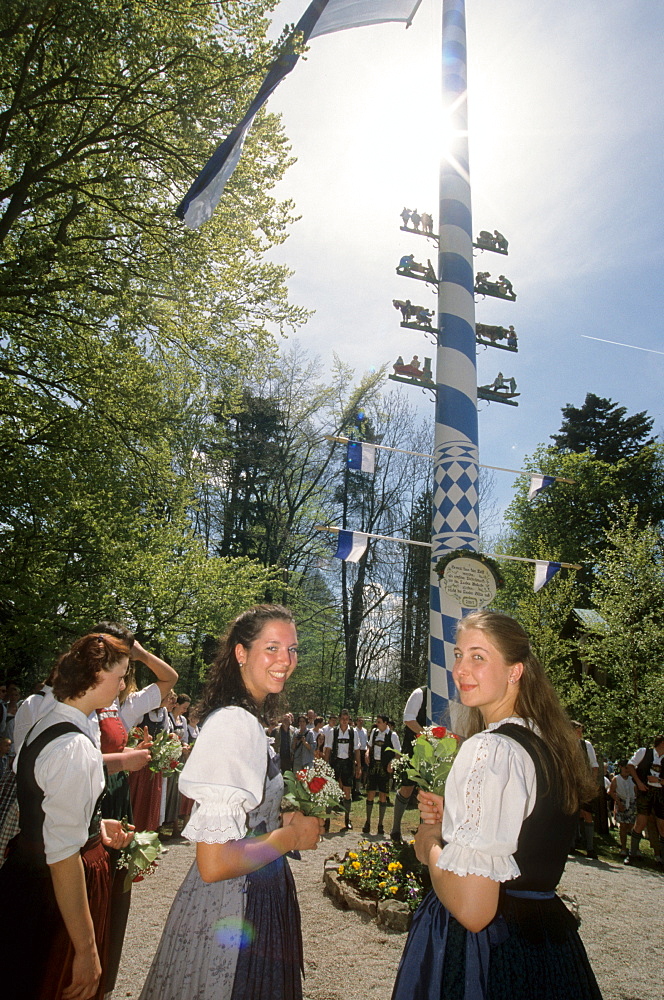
(601, 427)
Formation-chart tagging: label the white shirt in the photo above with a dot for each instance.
(377, 740)
(343, 742)
(70, 773)
(139, 703)
(653, 777)
(490, 791)
(361, 737)
(225, 775)
(413, 705)
(30, 710)
(625, 790)
(592, 756)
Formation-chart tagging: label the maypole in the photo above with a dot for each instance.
(455, 521)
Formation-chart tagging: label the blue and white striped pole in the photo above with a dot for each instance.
(455, 501)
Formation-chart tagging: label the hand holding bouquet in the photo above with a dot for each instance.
(165, 750)
(311, 791)
(140, 856)
(431, 759)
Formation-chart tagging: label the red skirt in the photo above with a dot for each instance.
(145, 788)
(36, 953)
(61, 957)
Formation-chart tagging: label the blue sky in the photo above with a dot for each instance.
(566, 116)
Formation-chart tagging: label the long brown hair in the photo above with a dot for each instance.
(538, 702)
(225, 685)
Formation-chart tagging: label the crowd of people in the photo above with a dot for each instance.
(77, 782)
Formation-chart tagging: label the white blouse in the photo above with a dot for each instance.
(139, 703)
(70, 772)
(490, 791)
(225, 775)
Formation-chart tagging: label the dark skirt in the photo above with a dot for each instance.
(116, 804)
(237, 939)
(270, 967)
(530, 951)
(36, 953)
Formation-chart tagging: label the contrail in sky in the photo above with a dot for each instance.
(618, 344)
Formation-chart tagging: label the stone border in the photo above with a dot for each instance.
(389, 913)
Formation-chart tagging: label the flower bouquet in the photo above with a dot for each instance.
(313, 790)
(140, 856)
(165, 752)
(431, 758)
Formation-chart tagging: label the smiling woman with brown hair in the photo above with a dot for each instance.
(233, 932)
(57, 872)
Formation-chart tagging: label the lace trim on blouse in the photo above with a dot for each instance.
(215, 827)
(468, 830)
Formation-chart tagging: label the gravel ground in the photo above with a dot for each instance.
(347, 957)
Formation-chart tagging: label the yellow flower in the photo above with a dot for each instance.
(394, 888)
(381, 885)
(356, 865)
(352, 855)
(340, 869)
(394, 866)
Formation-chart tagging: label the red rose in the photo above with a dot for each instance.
(137, 878)
(439, 732)
(174, 764)
(316, 784)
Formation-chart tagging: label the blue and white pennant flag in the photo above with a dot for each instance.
(322, 17)
(361, 456)
(351, 546)
(544, 571)
(539, 482)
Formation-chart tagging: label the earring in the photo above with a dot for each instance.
(512, 680)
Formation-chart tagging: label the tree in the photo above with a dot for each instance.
(272, 468)
(601, 427)
(415, 597)
(570, 519)
(624, 710)
(117, 321)
(380, 503)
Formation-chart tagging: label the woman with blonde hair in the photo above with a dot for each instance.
(493, 928)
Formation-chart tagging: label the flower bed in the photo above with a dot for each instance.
(383, 871)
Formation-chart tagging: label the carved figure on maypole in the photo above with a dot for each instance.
(418, 224)
(489, 335)
(500, 289)
(414, 317)
(413, 373)
(408, 267)
(501, 390)
(494, 241)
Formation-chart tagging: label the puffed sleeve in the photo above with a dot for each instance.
(70, 773)
(225, 776)
(490, 790)
(139, 703)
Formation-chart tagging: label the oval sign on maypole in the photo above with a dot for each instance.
(469, 582)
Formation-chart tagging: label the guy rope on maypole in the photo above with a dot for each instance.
(455, 521)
